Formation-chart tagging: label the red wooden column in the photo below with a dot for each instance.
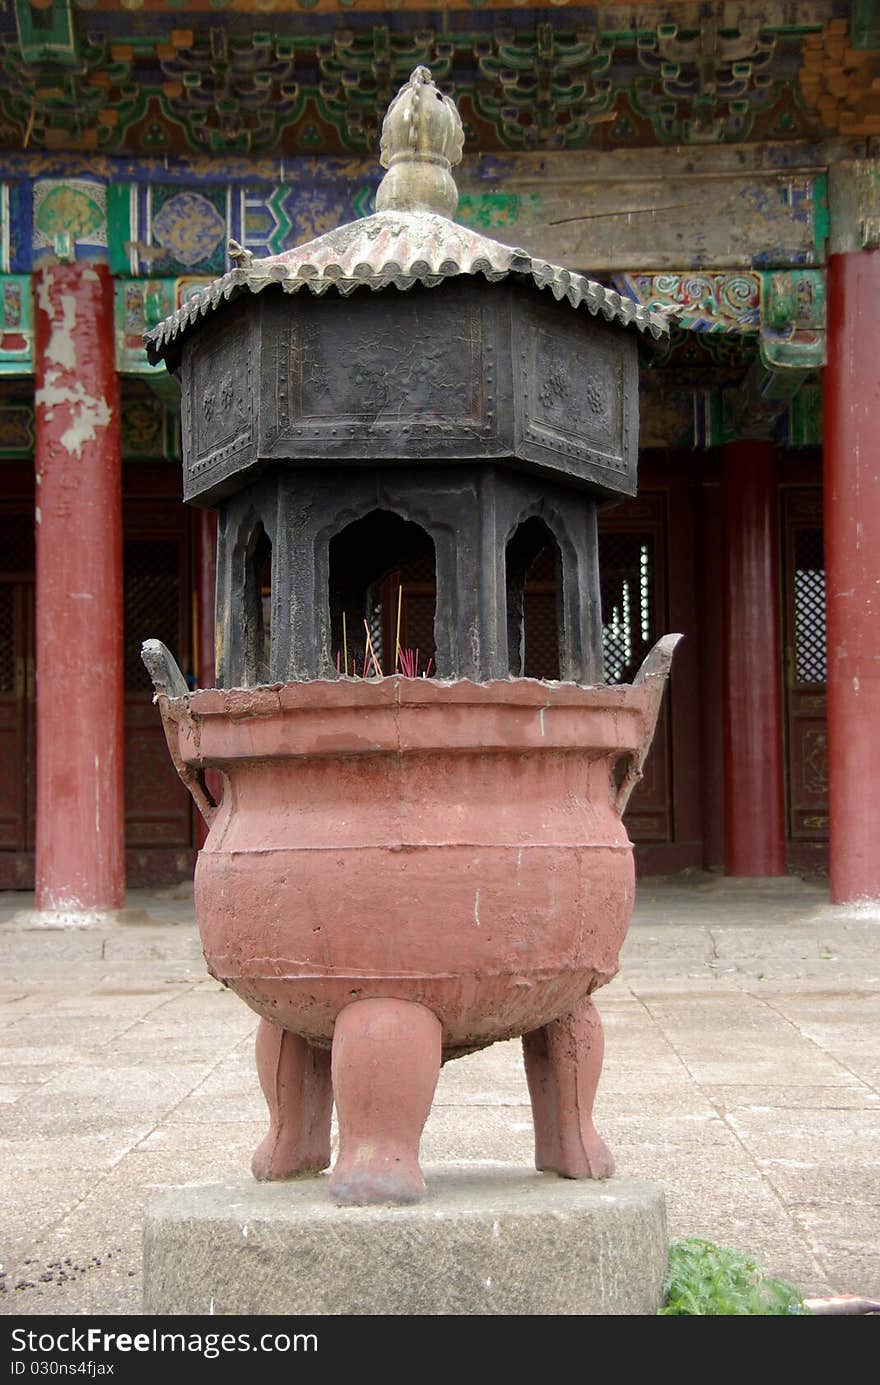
(754, 818)
(852, 535)
(80, 847)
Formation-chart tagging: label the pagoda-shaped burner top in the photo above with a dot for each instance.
(448, 434)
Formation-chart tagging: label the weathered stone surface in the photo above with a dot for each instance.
(488, 1241)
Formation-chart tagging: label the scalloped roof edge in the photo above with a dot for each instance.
(359, 254)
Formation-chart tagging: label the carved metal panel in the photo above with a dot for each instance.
(412, 373)
(462, 372)
(576, 396)
(218, 405)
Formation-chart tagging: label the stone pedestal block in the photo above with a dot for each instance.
(488, 1240)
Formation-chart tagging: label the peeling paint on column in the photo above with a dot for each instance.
(87, 412)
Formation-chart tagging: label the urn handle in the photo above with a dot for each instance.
(653, 673)
(170, 685)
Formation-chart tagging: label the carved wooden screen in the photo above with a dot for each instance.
(805, 664)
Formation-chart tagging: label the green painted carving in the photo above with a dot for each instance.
(363, 201)
(16, 325)
(221, 87)
(81, 96)
(766, 405)
(793, 321)
(794, 296)
(785, 308)
(46, 32)
(545, 90)
(165, 229)
(231, 94)
(706, 84)
(725, 316)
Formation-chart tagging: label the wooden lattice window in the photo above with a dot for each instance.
(627, 566)
(151, 571)
(809, 606)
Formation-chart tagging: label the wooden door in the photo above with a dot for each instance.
(805, 663)
(17, 689)
(158, 810)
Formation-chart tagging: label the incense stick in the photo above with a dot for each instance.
(371, 653)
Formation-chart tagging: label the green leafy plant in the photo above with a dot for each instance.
(705, 1279)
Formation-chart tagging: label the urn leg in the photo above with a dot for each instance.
(563, 1065)
(295, 1078)
(386, 1061)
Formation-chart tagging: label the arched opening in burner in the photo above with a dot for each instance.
(534, 601)
(383, 590)
(257, 608)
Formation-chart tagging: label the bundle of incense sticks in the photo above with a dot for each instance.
(406, 661)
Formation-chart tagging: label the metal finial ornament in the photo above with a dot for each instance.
(422, 138)
(241, 258)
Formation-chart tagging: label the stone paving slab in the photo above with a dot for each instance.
(742, 1074)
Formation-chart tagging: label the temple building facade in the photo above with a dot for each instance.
(719, 161)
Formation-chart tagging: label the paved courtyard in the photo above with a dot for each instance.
(742, 1073)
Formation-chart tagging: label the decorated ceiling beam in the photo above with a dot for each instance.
(761, 208)
(782, 311)
(785, 310)
(175, 76)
